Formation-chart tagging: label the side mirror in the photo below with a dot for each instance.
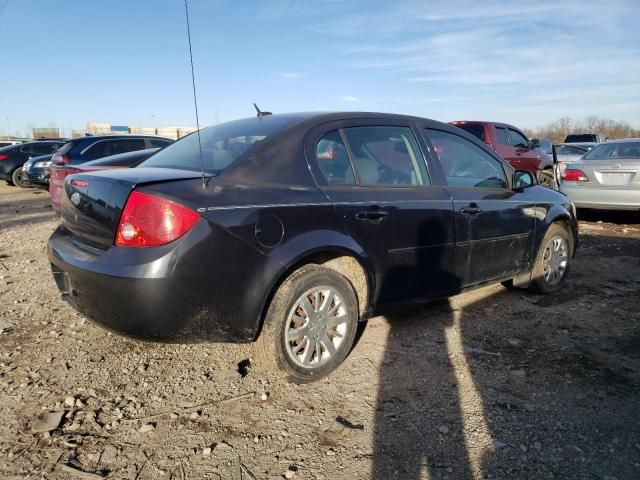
(523, 179)
(534, 143)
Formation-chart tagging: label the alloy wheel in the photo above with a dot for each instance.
(316, 327)
(555, 260)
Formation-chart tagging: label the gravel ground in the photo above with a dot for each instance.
(491, 384)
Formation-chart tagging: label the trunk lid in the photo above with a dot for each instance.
(92, 202)
(612, 172)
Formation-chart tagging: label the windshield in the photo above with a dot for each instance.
(221, 144)
(614, 151)
(567, 150)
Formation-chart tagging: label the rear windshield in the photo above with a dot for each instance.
(474, 129)
(613, 151)
(221, 144)
(585, 137)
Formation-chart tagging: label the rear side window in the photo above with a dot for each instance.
(503, 138)
(386, 156)
(44, 148)
(159, 142)
(517, 139)
(474, 129)
(333, 160)
(105, 148)
(465, 164)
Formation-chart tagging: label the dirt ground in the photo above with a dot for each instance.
(492, 384)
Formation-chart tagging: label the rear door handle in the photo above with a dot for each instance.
(472, 209)
(373, 216)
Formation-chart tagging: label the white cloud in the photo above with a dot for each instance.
(350, 98)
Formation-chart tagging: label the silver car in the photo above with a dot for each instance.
(568, 153)
(607, 177)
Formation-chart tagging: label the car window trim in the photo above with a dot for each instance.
(82, 152)
(482, 147)
(512, 129)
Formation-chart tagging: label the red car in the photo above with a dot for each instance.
(122, 160)
(514, 146)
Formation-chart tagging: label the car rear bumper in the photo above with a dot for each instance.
(602, 198)
(169, 293)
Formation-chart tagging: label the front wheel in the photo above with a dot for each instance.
(552, 261)
(17, 178)
(310, 325)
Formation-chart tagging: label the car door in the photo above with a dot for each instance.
(376, 176)
(494, 224)
(523, 157)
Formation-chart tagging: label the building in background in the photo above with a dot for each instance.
(47, 132)
(107, 129)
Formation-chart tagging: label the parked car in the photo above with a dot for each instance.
(544, 144)
(8, 143)
(12, 158)
(298, 227)
(606, 178)
(585, 138)
(514, 146)
(81, 150)
(35, 172)
(122, 160)
(568, 153)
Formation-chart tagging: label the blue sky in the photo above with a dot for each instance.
(126, 62)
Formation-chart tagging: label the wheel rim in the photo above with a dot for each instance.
(555, 260)
(316, 327)
(546, 180)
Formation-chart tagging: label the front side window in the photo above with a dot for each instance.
(465, 164)
(333, 160)
(517, 139)
(615, 151)
(503, 138)
(386, 156)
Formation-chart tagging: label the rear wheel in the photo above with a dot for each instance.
(552, 261)
(310, 325)
(546, 179)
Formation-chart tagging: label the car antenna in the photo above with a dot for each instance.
(260, 112)
(195, 99)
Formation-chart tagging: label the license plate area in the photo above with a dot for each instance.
(615, 178)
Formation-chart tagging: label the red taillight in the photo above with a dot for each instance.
(79, 183)
(60, 159)
(574, 175)
(3, 157)
(148, 221)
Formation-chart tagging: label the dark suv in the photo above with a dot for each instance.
(13, 157)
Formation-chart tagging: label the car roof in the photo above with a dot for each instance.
(623, 140)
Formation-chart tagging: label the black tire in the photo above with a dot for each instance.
(546, 179)
(542, 282)
(16, 178)
(275, 352)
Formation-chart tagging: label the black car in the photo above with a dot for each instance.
(85, 149)
(36, 171)
(13, 157)
(290, 229)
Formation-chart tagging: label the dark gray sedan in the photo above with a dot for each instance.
(606, 178)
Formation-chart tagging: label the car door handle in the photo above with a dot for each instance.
(470, 210)
(373, 216)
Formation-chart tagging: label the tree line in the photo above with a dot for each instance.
(558, 130)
